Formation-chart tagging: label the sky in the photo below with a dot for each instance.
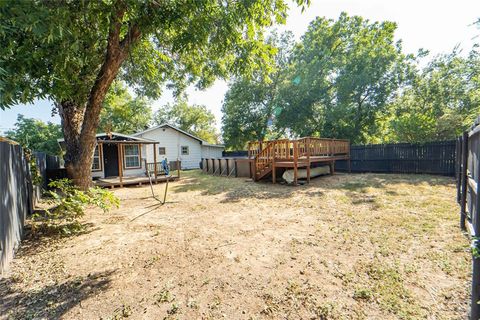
(435, 25)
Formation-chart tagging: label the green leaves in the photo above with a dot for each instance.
(36, 135)
(124, 114)
(195, 119)
(341, 77)
(250, 104)
(56, 49)
(440, 102)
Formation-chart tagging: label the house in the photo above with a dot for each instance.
(174, 143)
(118, 155)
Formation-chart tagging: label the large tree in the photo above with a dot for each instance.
(251, 102)
(441, 102)
(71, 51)
(343, 74)
(36, 135)
(195, 119)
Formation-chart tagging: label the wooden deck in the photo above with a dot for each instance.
(128, 181)
(267, 156)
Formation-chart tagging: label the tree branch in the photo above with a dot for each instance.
(117, 52)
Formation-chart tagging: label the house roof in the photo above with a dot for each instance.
(118, 135)
(168, 125)
(202, 142)
(212, 145)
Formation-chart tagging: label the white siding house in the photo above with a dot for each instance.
(174, 143)
(106, 155)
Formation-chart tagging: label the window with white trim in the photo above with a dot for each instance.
(184, 150)
(132, 156)
(96, 159)
(162, 151)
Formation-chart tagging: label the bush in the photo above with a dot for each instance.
(34, 171)
(68, 206)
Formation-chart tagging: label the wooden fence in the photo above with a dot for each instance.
(430, 158)
(17, 198)
(468, 196)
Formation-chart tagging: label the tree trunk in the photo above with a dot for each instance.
(80, 121)
(79, 150)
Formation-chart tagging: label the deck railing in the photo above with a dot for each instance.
(151, 168)
(309, 146)
(264, 152)
(264, 157)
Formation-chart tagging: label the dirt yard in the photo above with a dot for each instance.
(360, 246)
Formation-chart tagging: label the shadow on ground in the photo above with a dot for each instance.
(50, 301)
(236, 189)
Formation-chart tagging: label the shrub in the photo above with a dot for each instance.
(69, 204)
(34, 171)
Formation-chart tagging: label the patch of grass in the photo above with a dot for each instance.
(122, 312)
(151, 261)
(174, 309)
(386, 285)
(363, 294)
(325, 311)
(164, 296)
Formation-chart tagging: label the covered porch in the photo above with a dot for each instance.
(123, 164)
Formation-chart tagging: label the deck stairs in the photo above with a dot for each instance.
(286, 153)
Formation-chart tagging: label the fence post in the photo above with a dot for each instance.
(474, 216)
(458, 167)
(475, 306)
(464, 180)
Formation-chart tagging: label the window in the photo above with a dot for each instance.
(162, 151)
(96, 166)
(184, 150)
(132, 156)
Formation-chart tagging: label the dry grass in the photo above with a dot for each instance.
(364, 246)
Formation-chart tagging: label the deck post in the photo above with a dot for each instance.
(295, 162)
(349, 158)
(308, 158)
(219, 167)
(274, 174)
(251, 164)
(228, 169)
(155, 161)
(178, 169)
(120, 163)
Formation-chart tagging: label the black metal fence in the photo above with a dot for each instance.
(431, 158)
(468, 196)
(235, 154)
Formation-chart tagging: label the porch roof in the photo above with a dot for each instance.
(115, 135)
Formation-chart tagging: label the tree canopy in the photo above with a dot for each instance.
(36, 135)
(441, 102)
(348, 78)
(194, 119)
(72, 51)
(250, 103)
(341, 77)
(123, 113)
